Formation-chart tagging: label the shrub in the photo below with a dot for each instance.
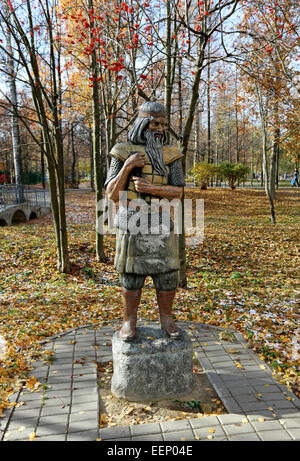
(233, 172)
(202, 172)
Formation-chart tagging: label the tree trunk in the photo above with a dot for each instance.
(11, 78)
(168, 84)
(186, 136)
(275, 153)
(272, 172)
(63, 264)
(42, 163)
(277, 162)
(74, 169)
(264, 152)
(237, 157)
(180, 96)
(197, 136)
(265, 170)
(209, 160)
(92, 172)
(54, 206)
(96, 144)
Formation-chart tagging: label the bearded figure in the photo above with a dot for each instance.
(145, 170)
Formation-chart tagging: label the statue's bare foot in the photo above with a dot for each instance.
(127, 332)
(172, 330)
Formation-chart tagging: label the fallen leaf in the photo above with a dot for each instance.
(33, 383)
(206, 407)
(231, 350)
(226, 336)
(128, 411)
(32, 436)
(103, 418)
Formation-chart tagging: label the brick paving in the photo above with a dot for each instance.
(66, 408)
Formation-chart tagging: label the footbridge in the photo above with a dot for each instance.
(21, 203)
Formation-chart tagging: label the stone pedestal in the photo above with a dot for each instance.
(152, 366)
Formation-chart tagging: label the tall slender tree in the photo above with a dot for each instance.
(24, 25)
(13, 99)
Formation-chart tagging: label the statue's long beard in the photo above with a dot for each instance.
(154, 147)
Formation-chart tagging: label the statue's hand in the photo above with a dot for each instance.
(135, 160)
(142, 185)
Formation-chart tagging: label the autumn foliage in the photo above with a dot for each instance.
(242, 276)
(227, 72)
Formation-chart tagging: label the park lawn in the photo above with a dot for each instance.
(243, 276)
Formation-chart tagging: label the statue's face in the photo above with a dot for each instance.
(158, 125)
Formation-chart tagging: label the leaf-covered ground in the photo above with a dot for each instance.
(244, 276)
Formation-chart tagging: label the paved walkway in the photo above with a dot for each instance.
(67, 406)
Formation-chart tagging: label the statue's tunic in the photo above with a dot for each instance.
(145, 253)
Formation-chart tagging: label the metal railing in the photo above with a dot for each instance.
(12, 194)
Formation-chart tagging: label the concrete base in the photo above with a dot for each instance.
(152, 366)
